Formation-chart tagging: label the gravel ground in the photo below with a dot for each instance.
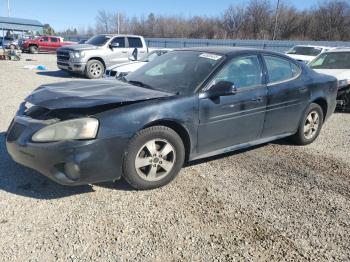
(270, 203)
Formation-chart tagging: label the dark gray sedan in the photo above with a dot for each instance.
(185, 105)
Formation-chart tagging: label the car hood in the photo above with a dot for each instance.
(90, 93)
(113, 67)
(340, 74)
(129, 67)
(79, 47)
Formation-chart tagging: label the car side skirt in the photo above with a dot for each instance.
(238, 147)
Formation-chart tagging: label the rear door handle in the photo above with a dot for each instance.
(257, 99)
(124, 52)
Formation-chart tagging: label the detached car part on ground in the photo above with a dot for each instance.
(99, 52)
(336, 63)
(185, 105)
(121, 70)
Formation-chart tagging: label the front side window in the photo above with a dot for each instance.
(45, 39)
(280, 69)
(243, 72)
(335, 60)
(135, 42)
(119, 41)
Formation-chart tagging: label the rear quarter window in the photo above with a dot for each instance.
(280, 69)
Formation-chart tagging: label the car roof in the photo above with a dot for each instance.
(125, 35)
(229, 50)
(316, 46)
(339, 49)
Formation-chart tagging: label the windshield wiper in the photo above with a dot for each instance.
(141, 84)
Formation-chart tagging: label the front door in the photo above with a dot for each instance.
(118, 54)
(236, 119)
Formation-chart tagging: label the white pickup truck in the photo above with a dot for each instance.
(99, 52)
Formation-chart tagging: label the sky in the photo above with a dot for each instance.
(64, 14)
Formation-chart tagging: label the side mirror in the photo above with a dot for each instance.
(114, 45)
(222, 88)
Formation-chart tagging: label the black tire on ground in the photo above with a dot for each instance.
(94, 69)
(33, 49)
(310, 126)
(163, 138)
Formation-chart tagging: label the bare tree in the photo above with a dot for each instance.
(234, 19)
(104, 21)
(329, 20)
(259, 18)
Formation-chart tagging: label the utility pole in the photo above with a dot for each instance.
(8, 8)
(276, 20)
(118, 23)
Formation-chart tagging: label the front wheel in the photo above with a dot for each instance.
(310, 126)
(154, 157)
(94, 69)
(33, 49)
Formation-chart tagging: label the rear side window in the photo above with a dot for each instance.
(54, 40)
(280, 69)
(120, 41)
(135, 42)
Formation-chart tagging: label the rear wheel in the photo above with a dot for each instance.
(94, 69)
(154, 157)
(310, 126)
(33, 49)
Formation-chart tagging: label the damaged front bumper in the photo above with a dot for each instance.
(66, 162)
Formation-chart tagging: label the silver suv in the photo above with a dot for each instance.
(99, 52)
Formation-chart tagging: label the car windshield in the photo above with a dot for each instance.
(305, 50)
(152, 55)
(335, 60)
(176, 72)
(98, 40)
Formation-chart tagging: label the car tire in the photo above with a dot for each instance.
(12, 47)
(33, 49)
(310, 126)
(154, 157)
(94, 69)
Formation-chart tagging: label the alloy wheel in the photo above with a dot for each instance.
(311, 125)
(96, 70)
(155, 160)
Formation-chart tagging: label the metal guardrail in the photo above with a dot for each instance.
(276, 45)
(280, 46)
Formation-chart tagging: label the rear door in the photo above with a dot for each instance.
(287, 96)
(135, 43)
(236, 119)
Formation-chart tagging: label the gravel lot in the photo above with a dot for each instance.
(270, 203)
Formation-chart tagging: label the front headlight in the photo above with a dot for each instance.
(77, 54)
(76, 129)
(344, 82)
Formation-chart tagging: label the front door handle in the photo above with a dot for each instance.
(303, 89)
(124, 52)
(257, 99)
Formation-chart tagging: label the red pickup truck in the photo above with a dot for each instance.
(44, 43)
